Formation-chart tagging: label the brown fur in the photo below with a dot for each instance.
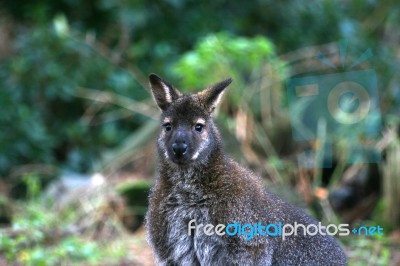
(199, 181)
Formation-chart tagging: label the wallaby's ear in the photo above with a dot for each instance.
(212, 95)
(163, 92)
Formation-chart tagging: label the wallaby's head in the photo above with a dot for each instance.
(188, 134)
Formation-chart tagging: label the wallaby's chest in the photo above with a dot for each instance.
(184, 203)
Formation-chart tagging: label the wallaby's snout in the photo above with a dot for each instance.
(179, 147)
(179, 144)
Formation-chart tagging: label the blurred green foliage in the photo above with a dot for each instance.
(215, 55)
(369, 251)
(55, 50)
(252, 96)
(135, 195)
(222, 55)
(39, 235)
(42, 117)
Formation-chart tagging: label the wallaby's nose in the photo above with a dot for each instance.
(179, 148)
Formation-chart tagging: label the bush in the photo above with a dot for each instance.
(43, 119)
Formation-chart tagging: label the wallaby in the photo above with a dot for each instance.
(198, 184)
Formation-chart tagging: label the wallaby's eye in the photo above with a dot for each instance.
(199, 127)
(167, 126)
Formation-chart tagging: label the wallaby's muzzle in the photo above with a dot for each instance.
(179, 148)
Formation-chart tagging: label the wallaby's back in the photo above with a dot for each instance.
(197, 181)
